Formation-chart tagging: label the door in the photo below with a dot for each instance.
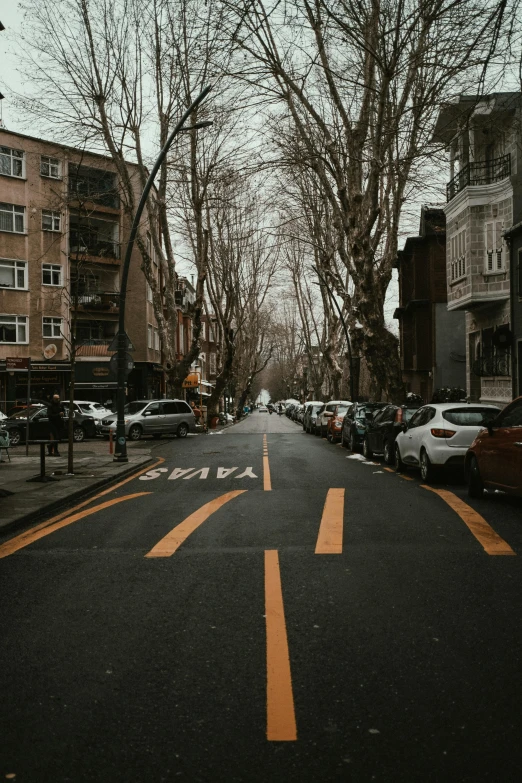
(502, 450)
(185, 414)
(412, 436)
(152, 418)
(379, 427)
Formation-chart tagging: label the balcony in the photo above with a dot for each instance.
(107, 301)
(93, 185)
(480, 173)
(492, 366)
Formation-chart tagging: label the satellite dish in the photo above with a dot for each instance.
(50, 351)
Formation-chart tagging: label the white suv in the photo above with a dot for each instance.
(440, 434)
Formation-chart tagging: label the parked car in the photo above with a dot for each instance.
(154, 417)
(383, 428)
(310, 416)
(289, 408)
(299, 415)
(262, 409)
(94, 409)
(325, 413)
(494, 459)
(335, 424)
(16, 425)
(354, 423)
(440, 434)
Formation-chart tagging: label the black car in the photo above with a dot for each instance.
(355, 421)
(382, 430)
(16, 425)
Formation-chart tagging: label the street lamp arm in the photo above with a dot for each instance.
(120, 452)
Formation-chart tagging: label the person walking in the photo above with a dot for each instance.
(55, 413)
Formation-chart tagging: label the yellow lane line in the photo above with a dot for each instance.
(280, 712)
(178, 535)
(406, 478)
(390, 470)
(84, 503)
(267, 484)
(330, 538)
(491, 542)
(24, 539)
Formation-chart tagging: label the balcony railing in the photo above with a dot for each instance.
(97, 300)
(102, 248)
(480, 173)
(499, 366)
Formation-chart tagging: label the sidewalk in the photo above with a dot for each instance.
(94, 468)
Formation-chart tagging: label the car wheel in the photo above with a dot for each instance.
(15, 436)
(428, 471)
(78, 434)
(367, 452)
(135, 432)
(475, 484)
(353, 442)
(182, 431)
(388, 453)
(400, 467)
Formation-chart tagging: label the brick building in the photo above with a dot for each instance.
(61, 232)
(484, 198)
(432, 340)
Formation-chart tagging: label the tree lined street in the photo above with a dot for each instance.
(131, 652)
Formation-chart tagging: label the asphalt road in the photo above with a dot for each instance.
(323, 619)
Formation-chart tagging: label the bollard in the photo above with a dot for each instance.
(111, 444)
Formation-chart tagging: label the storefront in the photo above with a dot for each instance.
(94, 381)
(46, 379)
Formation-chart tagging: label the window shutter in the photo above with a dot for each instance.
(489, 246)
(498, 245)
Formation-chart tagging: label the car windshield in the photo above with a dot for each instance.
(23, 414)
(470, 417)
(135, 407)
(341, 410)
(85, 408)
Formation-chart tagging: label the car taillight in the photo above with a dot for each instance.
(398, 416)
(442, 433)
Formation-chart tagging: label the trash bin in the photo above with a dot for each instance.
(214, 422)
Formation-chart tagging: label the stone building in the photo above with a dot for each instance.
(432, 340)
(484, 199)
(61, 231)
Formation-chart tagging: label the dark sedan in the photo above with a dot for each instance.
(384, 427)
(16, 425)
(355, 421)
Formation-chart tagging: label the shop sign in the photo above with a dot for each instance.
(100, 372)
(17, 363)
(191, 381)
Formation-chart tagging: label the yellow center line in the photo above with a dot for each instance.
(390, 470)
(280, 712)
(330, 538)
(491, 542)
(267, 484)
(24, 539)
(406, 478)
(178, 535)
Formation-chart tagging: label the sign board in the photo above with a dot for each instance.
(114, 343)
(129, 364)
(101, 372)
(191, 381)
(17, 363)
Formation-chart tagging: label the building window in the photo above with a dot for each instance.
(51, 221)
(203, 330)
(149, 293)
(12, 162)
(12, 218)
(495, 252)
(51, 274)
(52, 327)
(13, 329)
(149, 336)
(156, 340)
(212, 363)
(13, 274)
(181, 340)
(50, 167)
(458, 255)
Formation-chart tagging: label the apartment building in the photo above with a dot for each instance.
(484, 199)
(432, 340)
(61, 231)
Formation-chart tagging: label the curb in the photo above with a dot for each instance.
(64, 503)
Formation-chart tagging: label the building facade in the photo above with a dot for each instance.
(484, 198)
(432, 340)
(61, 231)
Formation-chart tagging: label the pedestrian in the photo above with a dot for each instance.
(55, 413)
(196, 411)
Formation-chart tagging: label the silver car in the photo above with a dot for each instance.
(154, 417)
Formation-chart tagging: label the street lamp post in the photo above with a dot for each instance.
(120, 451)
(346, 333)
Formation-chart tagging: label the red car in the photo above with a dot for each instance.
(334, 424)
(494, 459)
